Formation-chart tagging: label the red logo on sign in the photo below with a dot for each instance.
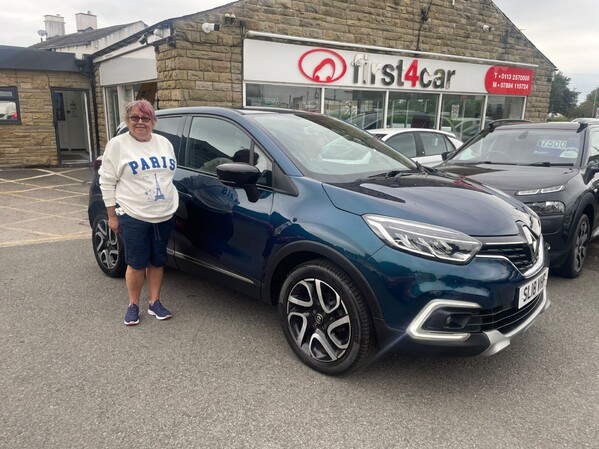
(322, 65)
(509, 81)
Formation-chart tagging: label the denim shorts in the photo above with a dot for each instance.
(145, 243)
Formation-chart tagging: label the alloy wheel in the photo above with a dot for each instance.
(318, 320)
(580, 244)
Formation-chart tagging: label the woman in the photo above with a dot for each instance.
(136, 179)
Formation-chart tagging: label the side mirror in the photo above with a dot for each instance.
(240, 174)
(591, 169)
(445, 155)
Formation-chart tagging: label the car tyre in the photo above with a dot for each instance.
(325, 318)
(573, 265)
(108, 247)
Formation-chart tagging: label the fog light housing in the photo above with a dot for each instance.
(442, 320)
(447, 320)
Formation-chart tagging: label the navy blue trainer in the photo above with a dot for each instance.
(159, 311)
(132, 315)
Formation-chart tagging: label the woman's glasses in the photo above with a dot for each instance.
(137, 118)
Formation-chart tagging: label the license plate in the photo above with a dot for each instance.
(532, 289)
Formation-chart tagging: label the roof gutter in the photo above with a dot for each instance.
(131, 39)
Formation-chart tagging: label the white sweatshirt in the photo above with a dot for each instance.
(138, 176)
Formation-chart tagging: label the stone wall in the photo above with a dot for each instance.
(33, 142)
(101, 112)
(206, 69)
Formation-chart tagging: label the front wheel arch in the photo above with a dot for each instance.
(294, 254)
(577, 248)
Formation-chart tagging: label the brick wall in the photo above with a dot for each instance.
(206, 69)
(33, 142)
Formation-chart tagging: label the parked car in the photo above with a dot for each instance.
(552, 167)
(420, 144)
(363, 250)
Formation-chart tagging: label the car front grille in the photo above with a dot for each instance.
(503, 320)
(521, 255)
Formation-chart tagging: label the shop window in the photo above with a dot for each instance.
(412, 110)
(501, 107)
(112, 110)
(118, 96)
(301, 98)
(462, 113)
(9, 106)
(361, 108)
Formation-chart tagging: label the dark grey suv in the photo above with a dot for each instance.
(551, 167)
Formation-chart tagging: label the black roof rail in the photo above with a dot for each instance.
(501, 122)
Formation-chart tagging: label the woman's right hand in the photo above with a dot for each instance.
(113, 223)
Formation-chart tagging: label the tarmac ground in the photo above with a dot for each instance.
(40, 205)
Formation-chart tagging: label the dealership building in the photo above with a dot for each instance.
(448, 64)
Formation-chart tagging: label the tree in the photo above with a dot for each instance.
(562, 99)
(588, 107)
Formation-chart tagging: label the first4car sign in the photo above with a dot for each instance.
(289, 63)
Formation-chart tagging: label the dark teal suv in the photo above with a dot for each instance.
(363, 250)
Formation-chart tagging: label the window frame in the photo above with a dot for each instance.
(255, 150)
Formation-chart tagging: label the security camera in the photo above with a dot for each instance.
(208, 27)
(143, 40)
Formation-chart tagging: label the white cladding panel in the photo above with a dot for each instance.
(129, 68)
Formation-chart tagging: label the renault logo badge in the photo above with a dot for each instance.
(532, 240)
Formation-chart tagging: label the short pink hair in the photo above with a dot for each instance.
(144, 106)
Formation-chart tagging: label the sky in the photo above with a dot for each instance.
(566, 32)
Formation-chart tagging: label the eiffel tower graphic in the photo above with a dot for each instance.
(159, 194)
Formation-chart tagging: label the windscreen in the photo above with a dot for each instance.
(329, 149)
(519, 146)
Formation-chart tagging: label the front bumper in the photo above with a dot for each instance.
(499, 341)
(493, 340)
(487, 342)
(473, 315)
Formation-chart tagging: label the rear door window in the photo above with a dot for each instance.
(170, 127)
(435, 144)
(405, 143)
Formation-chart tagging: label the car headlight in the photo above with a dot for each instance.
(551, 189)
(548, 207)
(423, 239)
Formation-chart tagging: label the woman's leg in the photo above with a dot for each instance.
(155, 276)
(135, 281)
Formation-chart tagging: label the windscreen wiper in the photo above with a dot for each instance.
(550, 164)
(391, 174)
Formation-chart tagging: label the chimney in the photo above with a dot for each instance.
(85, 21)
(54, 25)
